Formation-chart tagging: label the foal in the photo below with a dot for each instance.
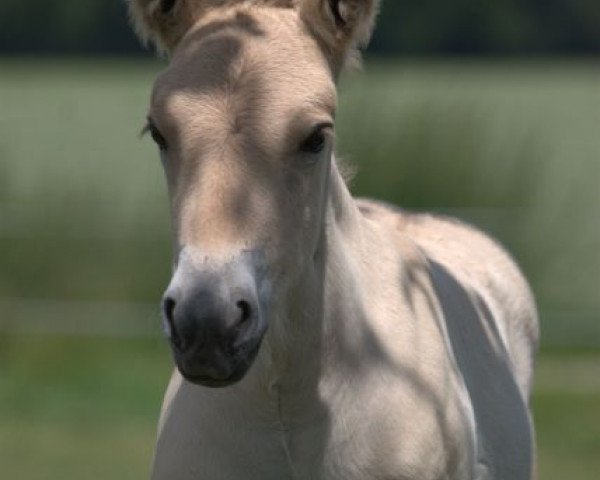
(350, 341)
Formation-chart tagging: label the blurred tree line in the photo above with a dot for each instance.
(409, 27)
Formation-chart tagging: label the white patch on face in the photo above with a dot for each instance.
(246, 262)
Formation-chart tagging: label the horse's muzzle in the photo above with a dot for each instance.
(214, 323)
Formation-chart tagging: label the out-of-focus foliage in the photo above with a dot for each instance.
(492, 26)
(511, 146)
(405, 27)
(65, 26)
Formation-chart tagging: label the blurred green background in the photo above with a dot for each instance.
(490, 113)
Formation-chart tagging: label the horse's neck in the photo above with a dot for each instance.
(294, 353)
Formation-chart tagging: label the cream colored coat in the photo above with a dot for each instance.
(403, 348)
(421, 369)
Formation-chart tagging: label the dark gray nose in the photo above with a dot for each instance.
(214, 326)
(196, 319)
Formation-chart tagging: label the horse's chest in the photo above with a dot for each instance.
(387, 447)
(369, 433)
(382, 437)
(330, 449)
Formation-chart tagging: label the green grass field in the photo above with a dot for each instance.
(84, 243)
(73, 407)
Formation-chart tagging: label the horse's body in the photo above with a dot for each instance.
(398, 347)
(422, 370)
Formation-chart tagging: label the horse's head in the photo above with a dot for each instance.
(244, 120)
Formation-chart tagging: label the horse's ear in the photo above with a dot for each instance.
(343, 25)
(161, 22)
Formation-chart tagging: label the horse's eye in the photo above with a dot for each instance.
(315, 142)
(157, 137)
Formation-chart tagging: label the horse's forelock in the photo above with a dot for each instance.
(165, 22)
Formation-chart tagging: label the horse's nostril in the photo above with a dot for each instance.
(168, 312)
(168, 308)
(245, 311)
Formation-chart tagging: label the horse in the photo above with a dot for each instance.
(315, 335)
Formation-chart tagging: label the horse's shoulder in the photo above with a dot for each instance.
(479, 264)
(488, 269)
